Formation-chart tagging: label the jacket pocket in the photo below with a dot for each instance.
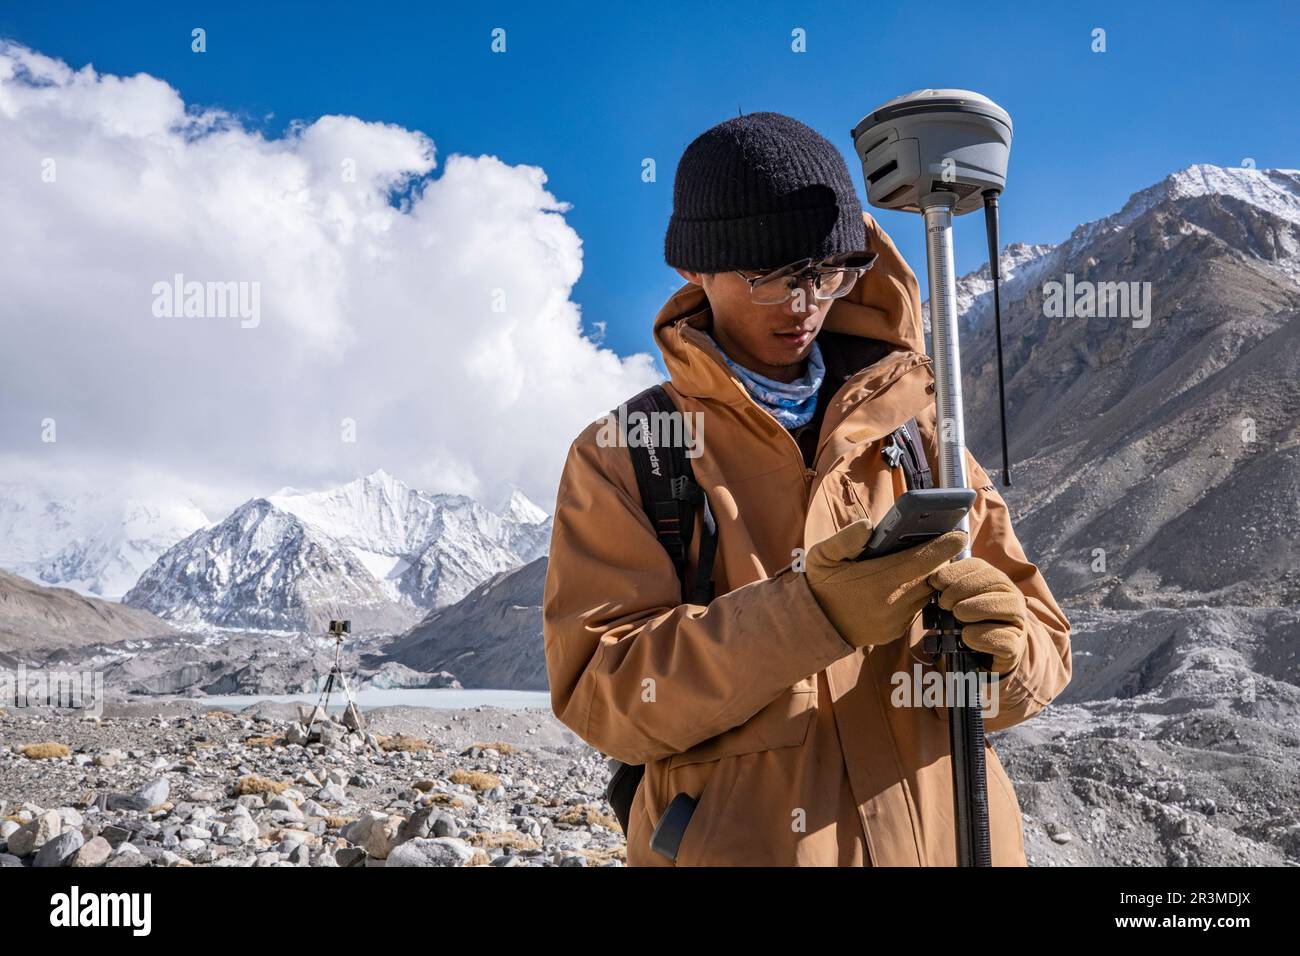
(782, 723)
(857, 508)
(840, 499)
(711, 771)
(712, 803)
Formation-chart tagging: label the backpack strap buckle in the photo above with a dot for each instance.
(684, 489)
(667, 519)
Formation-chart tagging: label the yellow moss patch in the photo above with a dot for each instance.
(48, 750)
(605, 854)
(264, 741)
(475, 778)
(424, 786)
(500, 746)
(479, 858)
(403, 742)
(220, 715)
(447, 798)
(508, 839)
(252, 783)
(586, 814)
(338, 823)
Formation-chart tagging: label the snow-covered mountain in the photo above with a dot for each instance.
(374, 550)
(519, 507)
(1274, 193)
(1021, 264)
(528, 527)
(1270, 197)
(92, 542)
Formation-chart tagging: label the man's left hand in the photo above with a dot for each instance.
(989, 606)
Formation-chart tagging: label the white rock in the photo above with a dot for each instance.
(36, 834)
(432, 851)
(95, 853)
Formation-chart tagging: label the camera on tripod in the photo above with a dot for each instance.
(339, 628)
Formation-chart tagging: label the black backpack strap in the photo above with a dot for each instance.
(905, 448)
(669, 495)
(912, 435)
(704, 587)
(620, 792)
(669, 492)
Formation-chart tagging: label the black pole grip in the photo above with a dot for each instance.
(965, 736)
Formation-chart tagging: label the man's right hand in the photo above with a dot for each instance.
(874, 602)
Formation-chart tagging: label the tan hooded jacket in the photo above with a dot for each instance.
(790, 738)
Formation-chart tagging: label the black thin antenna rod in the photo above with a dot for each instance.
(991, 227)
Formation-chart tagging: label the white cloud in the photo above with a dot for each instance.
(385, 316)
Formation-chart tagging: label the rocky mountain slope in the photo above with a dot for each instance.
(35, 617)
(1156, 459)
(1174, 744)
(491, 638)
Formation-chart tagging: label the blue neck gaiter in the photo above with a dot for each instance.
(790, 403)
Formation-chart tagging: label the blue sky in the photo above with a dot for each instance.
(587, 91)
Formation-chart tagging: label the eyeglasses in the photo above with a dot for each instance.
(831, 277)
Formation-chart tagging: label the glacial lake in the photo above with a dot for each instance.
(439, 697)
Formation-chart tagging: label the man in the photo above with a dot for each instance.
(774, 706)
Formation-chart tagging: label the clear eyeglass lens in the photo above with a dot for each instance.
(772, 290)
(839, 282)
(831, 284)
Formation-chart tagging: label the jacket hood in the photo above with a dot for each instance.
(884, 305)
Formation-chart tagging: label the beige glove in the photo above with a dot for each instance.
(874, 601)
(990, 607)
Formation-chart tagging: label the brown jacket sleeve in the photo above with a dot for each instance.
(633, 671)
(1044, 671)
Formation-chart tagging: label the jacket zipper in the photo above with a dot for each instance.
(810, 473)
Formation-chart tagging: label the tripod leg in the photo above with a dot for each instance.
(347, 693)
(325, 698)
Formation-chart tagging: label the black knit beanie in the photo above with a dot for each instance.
(759, 191)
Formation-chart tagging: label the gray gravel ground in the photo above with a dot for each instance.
(1177, 743)
(160, 784)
